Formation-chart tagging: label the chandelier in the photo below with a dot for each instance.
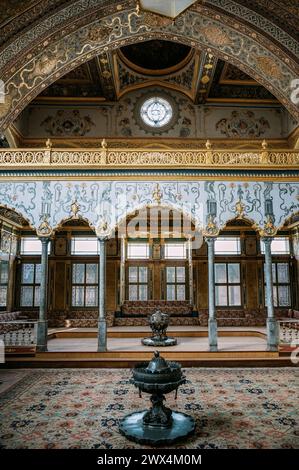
(170, 8)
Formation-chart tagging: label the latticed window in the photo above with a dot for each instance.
(4, 273)
(227, 285)
(175, 283)
(138, 283)
(30, 285)
(281, 285)
(84, 285)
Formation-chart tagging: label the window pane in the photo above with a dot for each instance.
(78, 296)
(3, 296)
(37, 273)
(181, 291)
(220, 272)
(36, 296)
(78, 273)
(133, 292)
(229, 245)
(143, 274)
(27, 273)
(221, 295)
(133, 274)
(275, 298)
(143, 292)
(91, 273)
(180, 274)
(91, 296)
(282, 272)
(138, 250)
(279, 246)
(284, 296)
(233, 273)
(4, 270)
(170, 274)
(234, 295)
(26, 296)
(31, 245)
(84, 246)
(170, 292)
(175, 250)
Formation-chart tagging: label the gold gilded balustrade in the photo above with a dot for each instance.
(145, 158)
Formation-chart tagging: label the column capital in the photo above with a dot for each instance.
(267, 240)
(210, 240)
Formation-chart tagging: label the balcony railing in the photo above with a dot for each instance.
(18, 334)
(289, 332)
(142, 158)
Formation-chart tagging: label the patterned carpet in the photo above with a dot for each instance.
(71, 408)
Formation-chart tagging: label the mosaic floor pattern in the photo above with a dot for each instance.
(71, 408)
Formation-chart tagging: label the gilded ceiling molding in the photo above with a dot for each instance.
(219, 35)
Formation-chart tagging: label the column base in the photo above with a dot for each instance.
(102, 335)
(213, 341)
(272, 334)
(42, 336)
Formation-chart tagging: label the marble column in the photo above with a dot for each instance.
(102, 326)
(211, 276)
(122, 274)
(190, 272)
(42, 325)
(272, 326)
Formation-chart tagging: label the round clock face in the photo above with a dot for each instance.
(156, 112)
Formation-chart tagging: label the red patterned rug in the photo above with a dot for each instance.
(71, 408)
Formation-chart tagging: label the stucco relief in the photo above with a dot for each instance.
(67, 123)
(243, 124)
(127, 26)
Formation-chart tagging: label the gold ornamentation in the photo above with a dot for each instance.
(123, 157)
(211, 228)
(44, 230)
(216, 36)
(157, 194)
(268, 66)
(99, 33)
(239, 209)
(74, 210)
(103, 231)
(269, 228)
(155, 21)
(104, 143)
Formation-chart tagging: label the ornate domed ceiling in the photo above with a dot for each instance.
(156, 56)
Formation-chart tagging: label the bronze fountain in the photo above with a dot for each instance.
(159, 322)
(159, 425)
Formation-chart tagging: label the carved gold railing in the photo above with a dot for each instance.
(141, 158)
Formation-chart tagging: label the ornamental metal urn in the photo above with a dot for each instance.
(159, 425)
(159, 323)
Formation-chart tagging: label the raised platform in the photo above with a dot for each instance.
(76, 347)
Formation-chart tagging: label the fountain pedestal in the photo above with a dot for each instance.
(159, 322)
(159, 425)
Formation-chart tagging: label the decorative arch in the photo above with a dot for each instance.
(203, 28)
(19, 214)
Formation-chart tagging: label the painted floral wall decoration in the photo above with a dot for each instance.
(243, 124)
(67, 123)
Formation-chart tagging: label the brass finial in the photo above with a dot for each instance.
(49, 144)
(75, 209)
(208, 145)
(264, 144)
(104, 143)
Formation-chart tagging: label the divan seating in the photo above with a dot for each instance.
(139, 308)
(10, 317)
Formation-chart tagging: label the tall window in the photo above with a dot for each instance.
(227, 284)
(281, 285)
(30, 285)
(138, 282)
(84, 285)
(279, 246)
(137, 250)
(175, 283)
(227, 246)
(84, 246)
(175, 250)
(4, 273)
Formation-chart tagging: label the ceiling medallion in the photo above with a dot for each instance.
(170, 8)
